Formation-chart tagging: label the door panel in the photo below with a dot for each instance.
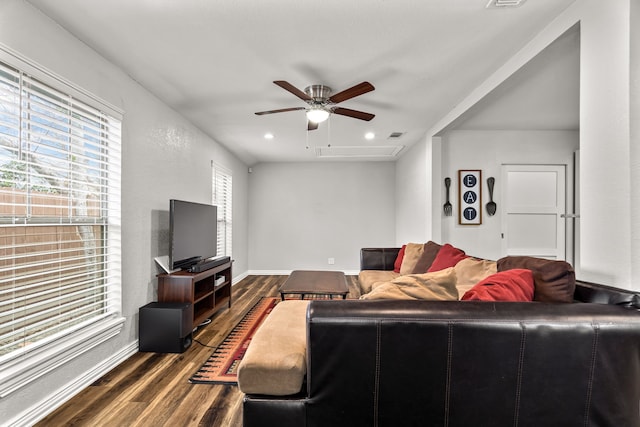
(534, 200)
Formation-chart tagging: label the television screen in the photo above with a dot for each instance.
(193, 233)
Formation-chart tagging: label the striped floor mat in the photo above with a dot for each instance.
(222, 365)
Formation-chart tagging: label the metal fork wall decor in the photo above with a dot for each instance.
(448, 208)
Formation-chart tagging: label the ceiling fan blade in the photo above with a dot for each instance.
(354, 113)
(352, 92)
(311, 125)
(282, 110)
(294, 90)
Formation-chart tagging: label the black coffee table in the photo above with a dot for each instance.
(307, 282)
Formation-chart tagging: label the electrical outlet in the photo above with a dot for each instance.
(331, 261)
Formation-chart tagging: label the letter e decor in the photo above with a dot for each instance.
(470, 197)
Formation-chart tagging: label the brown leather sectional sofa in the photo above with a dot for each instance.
(463, 363)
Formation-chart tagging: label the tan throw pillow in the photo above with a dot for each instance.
(429, 253)
(368, 277)
(412, 254)
(470, 271)
(435, 286)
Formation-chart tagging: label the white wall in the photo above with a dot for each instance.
(164, 157)
(488, 150)
(634, 119)
(605, 143)
(413, 186)
(301, 214)
(610, 211)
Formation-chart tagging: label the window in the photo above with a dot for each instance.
(222, 190)
(59, 224)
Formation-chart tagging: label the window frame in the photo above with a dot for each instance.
(222, 179)
(24, 366)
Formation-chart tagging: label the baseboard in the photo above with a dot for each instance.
(41, 409)
(239, 278)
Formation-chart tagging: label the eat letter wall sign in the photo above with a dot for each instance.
(470, 197)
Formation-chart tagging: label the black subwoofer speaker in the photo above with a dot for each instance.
(165, 327)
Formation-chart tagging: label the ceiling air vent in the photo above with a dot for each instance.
(493, 4)
(395, 135)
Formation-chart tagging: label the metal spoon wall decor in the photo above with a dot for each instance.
(491, 206)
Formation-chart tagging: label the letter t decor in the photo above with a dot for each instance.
(470, 197)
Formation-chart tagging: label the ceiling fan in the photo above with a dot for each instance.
(322, 103)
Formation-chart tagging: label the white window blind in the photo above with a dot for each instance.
(222, 197)
(59, 200)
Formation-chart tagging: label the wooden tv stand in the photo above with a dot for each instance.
(199, 289)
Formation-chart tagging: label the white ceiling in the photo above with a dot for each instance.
(214, 61)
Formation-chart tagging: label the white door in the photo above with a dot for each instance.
(534, 199)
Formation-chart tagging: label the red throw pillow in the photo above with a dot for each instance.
(448, 256)
(510, 285)
(399, 258)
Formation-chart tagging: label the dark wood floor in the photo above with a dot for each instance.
(152, 389)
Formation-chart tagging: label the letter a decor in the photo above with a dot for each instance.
(470, 197)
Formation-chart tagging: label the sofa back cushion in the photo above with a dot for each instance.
(555, 281)
(378, 258)
(601, 294)
(471, 363)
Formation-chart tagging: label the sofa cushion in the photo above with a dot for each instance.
(555, 281)
(448, 256)
(435, 286)
(429, 253)
(368, 277)
(276, 361)
(412, 254)
(471, 271)
(512, 285)
(398, 263)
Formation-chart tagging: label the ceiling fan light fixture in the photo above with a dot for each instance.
(317, 115)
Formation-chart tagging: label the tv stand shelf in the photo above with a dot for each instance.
(199, 289)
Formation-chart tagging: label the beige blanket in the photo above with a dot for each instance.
(438, 285)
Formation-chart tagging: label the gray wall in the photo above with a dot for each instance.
(488, 150)
(298, 215)
(163, 157)
(609, 158)
(301, 214)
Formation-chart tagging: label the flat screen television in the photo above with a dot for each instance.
(193, 231)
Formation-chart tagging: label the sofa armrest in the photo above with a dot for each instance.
(281, 411)
(378, 258)
(602, 294)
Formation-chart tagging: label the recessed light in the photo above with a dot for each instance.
(268, 135)
(369, 135)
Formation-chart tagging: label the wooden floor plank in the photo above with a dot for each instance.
(152, 389)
